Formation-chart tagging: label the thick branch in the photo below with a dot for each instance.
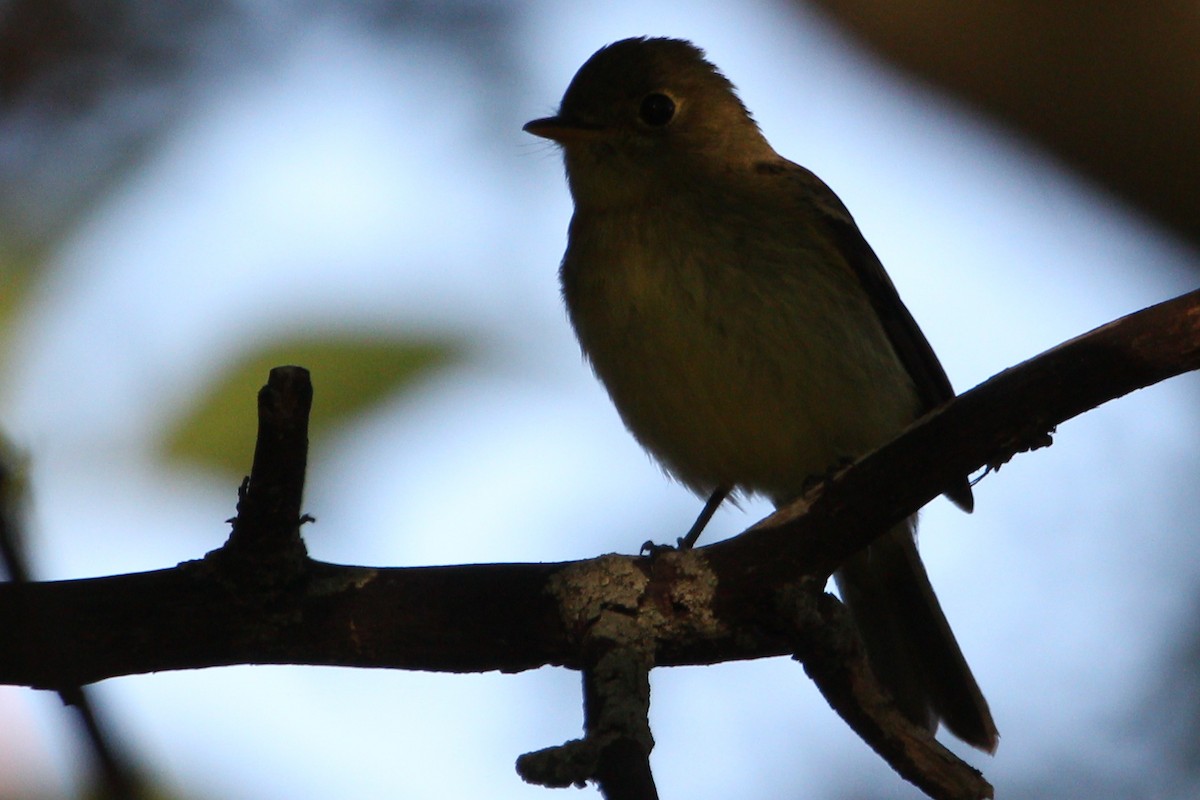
(502, 617)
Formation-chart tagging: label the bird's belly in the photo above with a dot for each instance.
(730, 378)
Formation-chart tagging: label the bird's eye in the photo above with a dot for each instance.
(656, 110)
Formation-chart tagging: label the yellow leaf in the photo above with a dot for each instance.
(348, 375)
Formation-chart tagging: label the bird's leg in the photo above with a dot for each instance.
(687, 540)
(710, 507)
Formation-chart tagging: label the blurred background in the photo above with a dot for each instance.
(191, 192)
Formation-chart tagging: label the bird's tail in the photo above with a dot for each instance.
(909, 643)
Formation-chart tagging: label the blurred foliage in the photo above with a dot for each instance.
(88, 90)
(14, 494)
(86, 87)
(348, 375)
(1109, 88)
(17, 273)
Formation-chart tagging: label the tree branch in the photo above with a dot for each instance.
(732, 600)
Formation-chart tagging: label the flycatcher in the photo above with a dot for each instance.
(746, 331)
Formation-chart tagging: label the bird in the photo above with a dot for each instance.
(747, 333)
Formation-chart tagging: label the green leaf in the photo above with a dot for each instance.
(19, 272)
(348, 375)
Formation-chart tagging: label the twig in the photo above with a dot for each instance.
(117, 779)
(268, 512)
(833, 657)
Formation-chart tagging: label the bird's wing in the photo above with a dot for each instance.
(910, 344)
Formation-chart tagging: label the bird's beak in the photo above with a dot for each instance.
(562, 130)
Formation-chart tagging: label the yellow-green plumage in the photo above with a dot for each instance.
(746, 332)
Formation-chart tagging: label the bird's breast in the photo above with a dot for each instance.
(736, 354)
